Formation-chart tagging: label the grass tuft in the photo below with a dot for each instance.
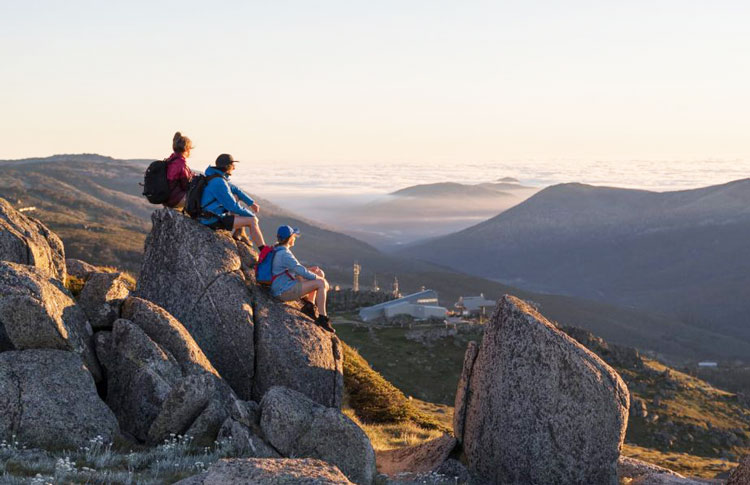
(375, 400)
(74, 285)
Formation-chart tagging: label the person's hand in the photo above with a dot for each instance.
(255, 208)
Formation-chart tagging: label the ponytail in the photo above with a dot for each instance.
(180, 143)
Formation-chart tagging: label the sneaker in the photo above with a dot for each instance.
(325, 323)
(309, 309)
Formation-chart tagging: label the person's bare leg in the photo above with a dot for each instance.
(320, 300)
(252, 224)
(307, 296)
(319, 287)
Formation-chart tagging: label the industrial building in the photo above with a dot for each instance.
(421, 305)
(472, 306)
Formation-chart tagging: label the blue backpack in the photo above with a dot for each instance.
(263, 270)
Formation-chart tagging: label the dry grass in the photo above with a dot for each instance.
(98, 463)
(126, 275)
(683, 463)
(394, 435)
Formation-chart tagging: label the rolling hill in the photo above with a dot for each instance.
(94, 204)
(428, 210)
(684, 253)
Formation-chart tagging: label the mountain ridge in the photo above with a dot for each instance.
(680, 253)
(97, 228)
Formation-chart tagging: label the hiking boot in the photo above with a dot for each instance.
(309, 309)
(325, 323)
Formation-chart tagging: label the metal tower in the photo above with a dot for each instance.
(355, 285)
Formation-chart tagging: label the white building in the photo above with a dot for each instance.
(475, 305)
(421, 305)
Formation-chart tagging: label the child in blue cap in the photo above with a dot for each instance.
(292, 281)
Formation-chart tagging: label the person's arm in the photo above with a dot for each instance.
(223, 195)
(293, 266)
(241, 195)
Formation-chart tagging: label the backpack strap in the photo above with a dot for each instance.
(206, 214)
(285, 272)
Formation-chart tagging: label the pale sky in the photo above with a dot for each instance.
(355, 81)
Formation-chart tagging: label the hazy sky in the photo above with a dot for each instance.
(307, 80)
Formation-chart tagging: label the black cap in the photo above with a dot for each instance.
(224, 160)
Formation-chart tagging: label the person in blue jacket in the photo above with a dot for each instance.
(291, 281)
(221, 207)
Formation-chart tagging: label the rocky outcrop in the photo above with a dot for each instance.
(665, 479)
(169, 334)
(140, 376)
(80, 269)
(186, 404)
(462, 391)
(154, 394)
(203, 279)
(297, 426)
(256, 471)
(630, 468)
(293, 352)
(539, 407)
(25, 240)
(102, 298)
(741, 474)
(194, 274)
(424, 458)
(49, 400)
(37, 312)
(246, 440)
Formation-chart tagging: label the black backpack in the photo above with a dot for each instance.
(155, 184)
(193, 205)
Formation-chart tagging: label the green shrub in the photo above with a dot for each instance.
(374, 399)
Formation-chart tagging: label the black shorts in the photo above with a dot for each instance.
(225, 222)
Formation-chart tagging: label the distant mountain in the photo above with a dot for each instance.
(453, 189)
(95, 204)
(430, 210)
(684, 253)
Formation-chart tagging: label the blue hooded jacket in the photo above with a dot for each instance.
(219, 197)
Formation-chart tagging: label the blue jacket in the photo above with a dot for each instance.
(219, 197)
(284, 260)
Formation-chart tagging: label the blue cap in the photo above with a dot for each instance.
(284, 232)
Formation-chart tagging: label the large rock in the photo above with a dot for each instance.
(140, 376)
(258, 471)
(540, 408)
(423, 458)
(666, 479)
(291, 351)
(204, 279)
(194, 274)
(49, 400)
(741, 474)
(630, 468)
(245, 440)
(37, 312)
(155, 394)
(169, 334)
(297, 426)
(25, 240)
(80, 269)
(462, 391)
(102, 298)
(186, 401)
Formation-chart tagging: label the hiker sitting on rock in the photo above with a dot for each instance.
(292, 281)
(220, 203)
(178, 173)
